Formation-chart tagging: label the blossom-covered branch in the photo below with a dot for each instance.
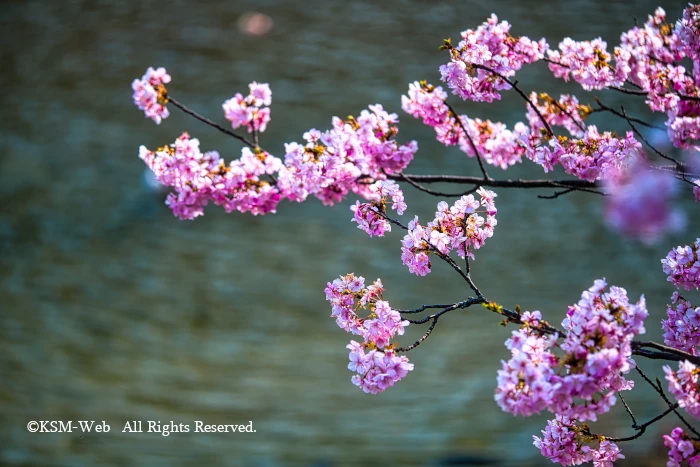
(577, 370)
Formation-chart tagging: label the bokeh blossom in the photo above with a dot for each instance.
(642, 203)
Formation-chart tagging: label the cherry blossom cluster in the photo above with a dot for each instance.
(458, 227)
(593, 157)
(198, 178)
(376, 369)
(587, 62)
(684, 384)
(565, 112)
(688, 33)
(370, 216)
(566, 441)
(683, 451)
(375, 360)
(150, 94)
(649, 58)
(682, 266)
(331, 164)
(494, 142)
(652, 56)
(251, 111)
(490, 45)
(597, 346)
(682, 328)
(641, 203)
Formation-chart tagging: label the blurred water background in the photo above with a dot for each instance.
(112, 309)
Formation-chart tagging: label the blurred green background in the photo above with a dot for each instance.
(112, 309)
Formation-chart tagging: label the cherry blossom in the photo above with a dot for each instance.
(251, 111)
(459, 227)
(597, 346)
(199, 178)
(681, 449)
(491, 46)
(566, 442)
(682, 328)
(682, 267)
(150, 94)
(684, 384)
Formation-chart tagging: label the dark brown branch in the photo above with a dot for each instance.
(423, 308)
(422, 338)
(679, 165)
(471, 141)
(519, 91)
(434, 192)
(604, 108)
(556, 194)
(459, 305)
(518, 183)
(641, 428)
(661, 392)
(663, 352)
(629, 411)
(568, 114)
(188, 111)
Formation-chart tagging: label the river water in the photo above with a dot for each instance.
(112, 309)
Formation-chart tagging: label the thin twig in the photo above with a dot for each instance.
(519, 91)
(641, 428)
(423, 308)
(434, 192)
(661, 392)
(471, 141)
(661, 154)
(517, 183)
(188, 111)
(556, 194)
(459, 305)
(629, 411)
(422, 338)
(604, 108)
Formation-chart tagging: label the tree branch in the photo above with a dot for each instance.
(188, 111)
(517, 183)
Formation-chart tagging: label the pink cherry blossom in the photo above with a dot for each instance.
(587, 62)
(251, 111)
(597, 346)
(565, 441)
(377, 370)
(682, 267)
(684, 384)
(682, 328)
(375, 362)
(459, 227)
(595, 156)
(492, 46)
(199, 178)
(682, 451)
(150, 94)
(331, 164)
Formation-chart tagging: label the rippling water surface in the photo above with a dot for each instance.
(112, 309)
